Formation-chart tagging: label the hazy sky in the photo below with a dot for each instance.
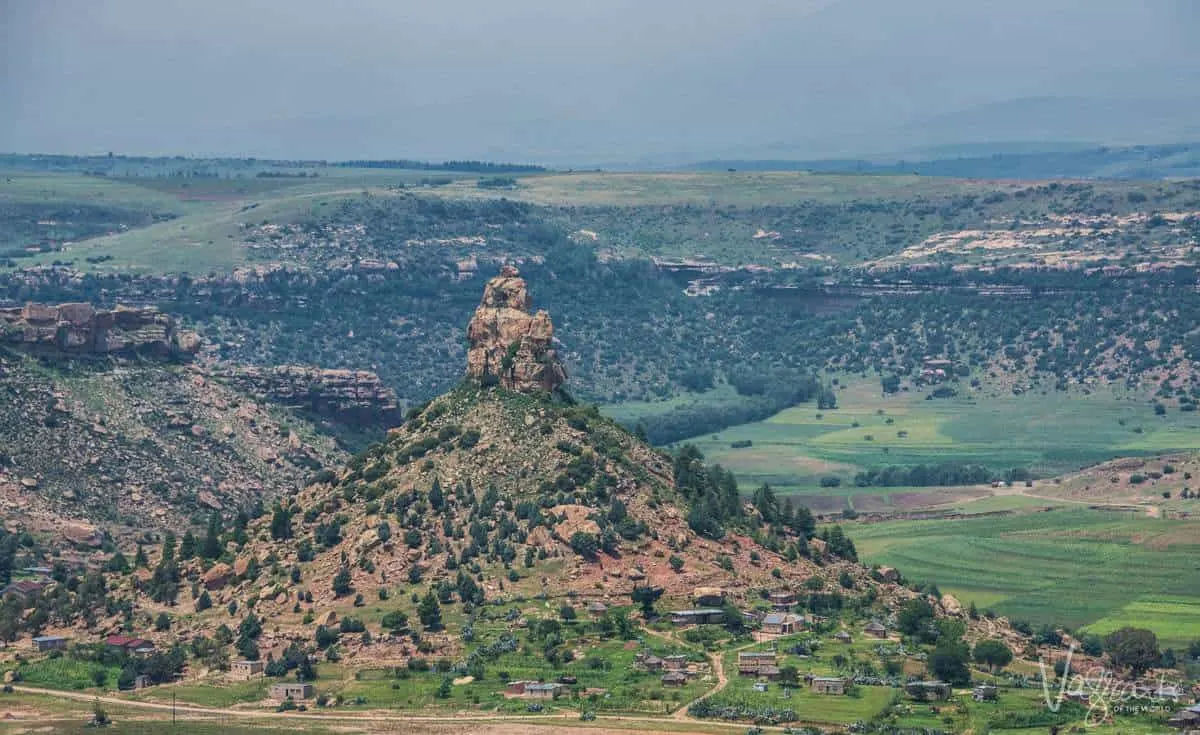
(584, 80)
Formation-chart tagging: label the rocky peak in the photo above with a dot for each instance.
(507, 343)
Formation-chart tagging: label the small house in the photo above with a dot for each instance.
(674, 679)
(142, 682)
(49, 642)
(828, 685)
(928, 690)
(131, 645)
(779, 623)
(515, 688)
(538, 690)
(708, 596)
(701, 616)
(782, 599)
(984, 693)
(653, 663)
(1186, 719)
(567, 679)
(876, 629)
(842, 637)
(760, 686)
(675, 663)
(770, 671)
(292, 690)
(597, 609)
(244, 670)
(750, 663)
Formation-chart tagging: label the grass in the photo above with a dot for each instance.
(1067, 567)
(740, 188)
(222, 694)
(208, 214)
(1175, 619)
(1051, 433)
(61, 672)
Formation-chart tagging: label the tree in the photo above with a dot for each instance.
(437, 499)
(281, 524)
(187, 547)
(585, 544)
(646, 596)
(430, 612)
(162, 622)
(676, 563)
(1133, 648)
(1091, 644)
(203, 602)
(915, 616)
(139, 559)
(342, 583)
(168, 547)
(789, 675)
(567, 613)
(993, 653)
(395, 621)
(948, 662)
(210, 548)
(443, 690)
(766, 503)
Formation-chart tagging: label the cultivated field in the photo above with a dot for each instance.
(1049, 432)
(1076, 567)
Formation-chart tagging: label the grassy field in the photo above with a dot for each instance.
(737, 188)
(1070, 567)
(207, 214)
(1050, 432)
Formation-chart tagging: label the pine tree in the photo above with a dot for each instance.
(342, 583)
(187, 547)
(168, 547)
(437, 500)
(281, 524)
(430, 612)
(211, 547)
(139, 559)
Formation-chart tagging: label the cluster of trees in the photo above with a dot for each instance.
(925, 475)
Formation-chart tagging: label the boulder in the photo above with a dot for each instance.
(83, 534)
(951, 605)
(217, 576)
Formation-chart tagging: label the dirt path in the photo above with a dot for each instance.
(492, 722)
(718, 668)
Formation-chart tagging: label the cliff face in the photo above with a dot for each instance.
(507, 343)
(80, 329)
(352, 396)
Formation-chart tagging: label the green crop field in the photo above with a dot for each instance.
(1069, 567)
(1049, 432)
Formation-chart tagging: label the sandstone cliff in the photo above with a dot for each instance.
(351, 396)
(81, 329)
(508, 344)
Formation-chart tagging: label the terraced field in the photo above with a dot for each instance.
(1072, 567)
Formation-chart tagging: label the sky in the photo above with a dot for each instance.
(580, 81)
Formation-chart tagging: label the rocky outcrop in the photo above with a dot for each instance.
(351, 396)
(507, 344)
(81, 329)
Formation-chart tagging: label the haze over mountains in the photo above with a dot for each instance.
(691, 80)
